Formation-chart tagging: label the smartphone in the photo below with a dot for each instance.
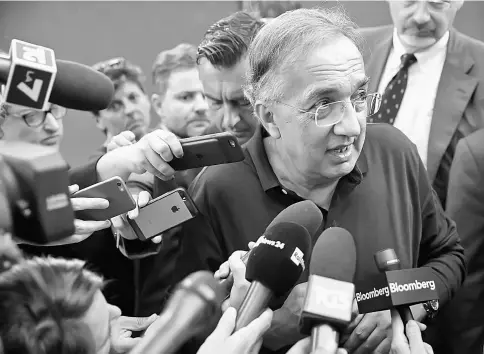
(115, 191)
(161, 214)
(207, 150)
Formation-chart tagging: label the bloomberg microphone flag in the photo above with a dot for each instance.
(31, 76)
(397, 287)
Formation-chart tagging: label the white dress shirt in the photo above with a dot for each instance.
(415, 114)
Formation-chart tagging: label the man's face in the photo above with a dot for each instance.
(100, 317)
(182, 108)
(227, 103)
(49, 133)
(421, 24)
(331, 72)
(129, 110)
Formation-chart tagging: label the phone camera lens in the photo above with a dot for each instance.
(232, 143)
(119, 184)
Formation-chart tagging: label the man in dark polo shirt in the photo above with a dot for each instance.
(313, 143)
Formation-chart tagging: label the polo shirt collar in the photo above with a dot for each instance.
(267, 177)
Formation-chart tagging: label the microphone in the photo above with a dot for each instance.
(33, 78)
(193, 306)
(386, 260)
(304, 213)
(328, 305)
(273, 267)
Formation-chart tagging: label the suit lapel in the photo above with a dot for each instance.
(453, 94)
(377, 59)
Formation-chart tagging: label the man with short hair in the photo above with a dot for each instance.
(130, 106)
(222, 63)
(179, 99)
(307, 83)
(432, 81)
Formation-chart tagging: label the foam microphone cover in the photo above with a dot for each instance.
(334, 255)
(80, 87)
(305, 213)
(280, 258)
(330, 292)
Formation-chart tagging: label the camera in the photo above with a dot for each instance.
(34, 193)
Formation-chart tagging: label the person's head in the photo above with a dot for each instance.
(303, 62)
(130, 107)
(32, 126)
(421, 24)
(53, 305)
(179, 98)
(222, 63)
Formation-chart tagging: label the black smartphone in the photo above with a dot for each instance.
(208, 150)
(163, 213)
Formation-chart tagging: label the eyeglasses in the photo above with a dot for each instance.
(332, 113)
(117, 64)
(435, 5)
(35, 119)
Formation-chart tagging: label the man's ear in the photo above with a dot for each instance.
(156, 102)
(266, 116)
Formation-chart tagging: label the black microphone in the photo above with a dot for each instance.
(274, 267)
(194, 305)
(386, 260)
(305, 213)
(33, 78)
(329, 299)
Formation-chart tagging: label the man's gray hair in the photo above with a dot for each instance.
(286, 39)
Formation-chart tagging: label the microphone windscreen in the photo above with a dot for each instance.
(304, 213)
(280, 258)
(205, 285)
(334, 255)
(80, 87)
(387, 260)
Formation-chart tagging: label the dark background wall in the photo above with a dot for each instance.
(88, 32)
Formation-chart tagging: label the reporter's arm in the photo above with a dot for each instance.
(247, 340)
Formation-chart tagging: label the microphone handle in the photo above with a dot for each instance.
(255, 302)
(405, 313)
(324, 339)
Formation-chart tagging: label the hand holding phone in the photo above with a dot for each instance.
(208, 150)
(114, 190)
(163, 213)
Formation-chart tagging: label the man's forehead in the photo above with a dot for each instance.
(185, 80)
(126, 89)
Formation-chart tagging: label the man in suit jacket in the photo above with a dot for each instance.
(444, 96)
(461, 323)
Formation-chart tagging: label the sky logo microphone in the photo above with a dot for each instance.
(31, 77)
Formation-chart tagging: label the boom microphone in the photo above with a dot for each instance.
(386, 260)
(194, 305)
(329, 298)
(273, 267)
(304, 213)
(33, 78)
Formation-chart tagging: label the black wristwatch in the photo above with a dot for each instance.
(431, 307)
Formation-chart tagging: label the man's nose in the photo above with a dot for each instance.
(349, 124)
(200, 105)
(421, 14)
(231, 118)
(51, 124)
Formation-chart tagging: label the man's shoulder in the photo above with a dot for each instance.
(384, 139)
(225, 177)
(472, 43)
